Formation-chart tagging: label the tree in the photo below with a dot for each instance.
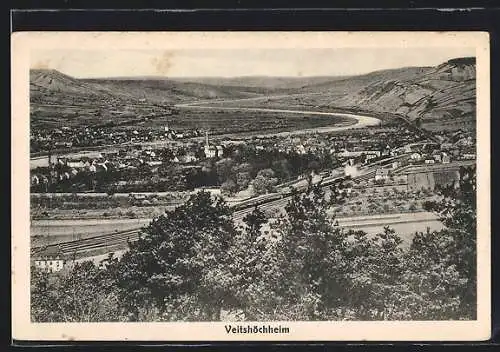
(264, 182)
(41, 304)
(224, 169)
(243, 179)
(254, 222)
(313, 166)
(255, 269)
(282, 169)
(229, 187)
(80, 294)
(181, 262)
(454, 248)
(308, 255)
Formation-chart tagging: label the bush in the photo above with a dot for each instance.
(131, 214)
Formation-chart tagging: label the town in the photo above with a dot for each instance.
(183, 162)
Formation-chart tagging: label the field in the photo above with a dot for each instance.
(216, 121)
(239, 121)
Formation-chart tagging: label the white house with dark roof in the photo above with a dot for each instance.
(49, 260)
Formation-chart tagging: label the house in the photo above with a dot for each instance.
(301, 149)
(445, 159)
(35, 180)
(415, 156)
(437, 157)
(220, 151)
(49, 260)
(189, 158)
(467, 141)
(210, 151)
(469, 156)
(381, 174)
(371, 156)
(75, 164)
(154, 163)
(429, 161)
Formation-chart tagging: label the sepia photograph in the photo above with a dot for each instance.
(243, 184)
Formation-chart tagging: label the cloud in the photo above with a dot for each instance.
(163, 63)
(42, 64)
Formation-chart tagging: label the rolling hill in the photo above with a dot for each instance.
(59, 100)
(168, 91)
(439, 97)
(263, 84)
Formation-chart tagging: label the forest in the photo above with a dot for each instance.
(197, 264)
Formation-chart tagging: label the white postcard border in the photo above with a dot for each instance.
(24, 329)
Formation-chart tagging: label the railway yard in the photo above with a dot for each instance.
(98, 242)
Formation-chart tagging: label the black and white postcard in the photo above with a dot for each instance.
(217, 186)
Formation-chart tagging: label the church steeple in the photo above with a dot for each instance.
(50, 158)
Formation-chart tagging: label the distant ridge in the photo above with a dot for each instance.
(441, 97)
(462, 61)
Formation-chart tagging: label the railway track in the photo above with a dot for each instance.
(94, 242)
(119, 239)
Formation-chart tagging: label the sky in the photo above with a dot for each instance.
(239, 62)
